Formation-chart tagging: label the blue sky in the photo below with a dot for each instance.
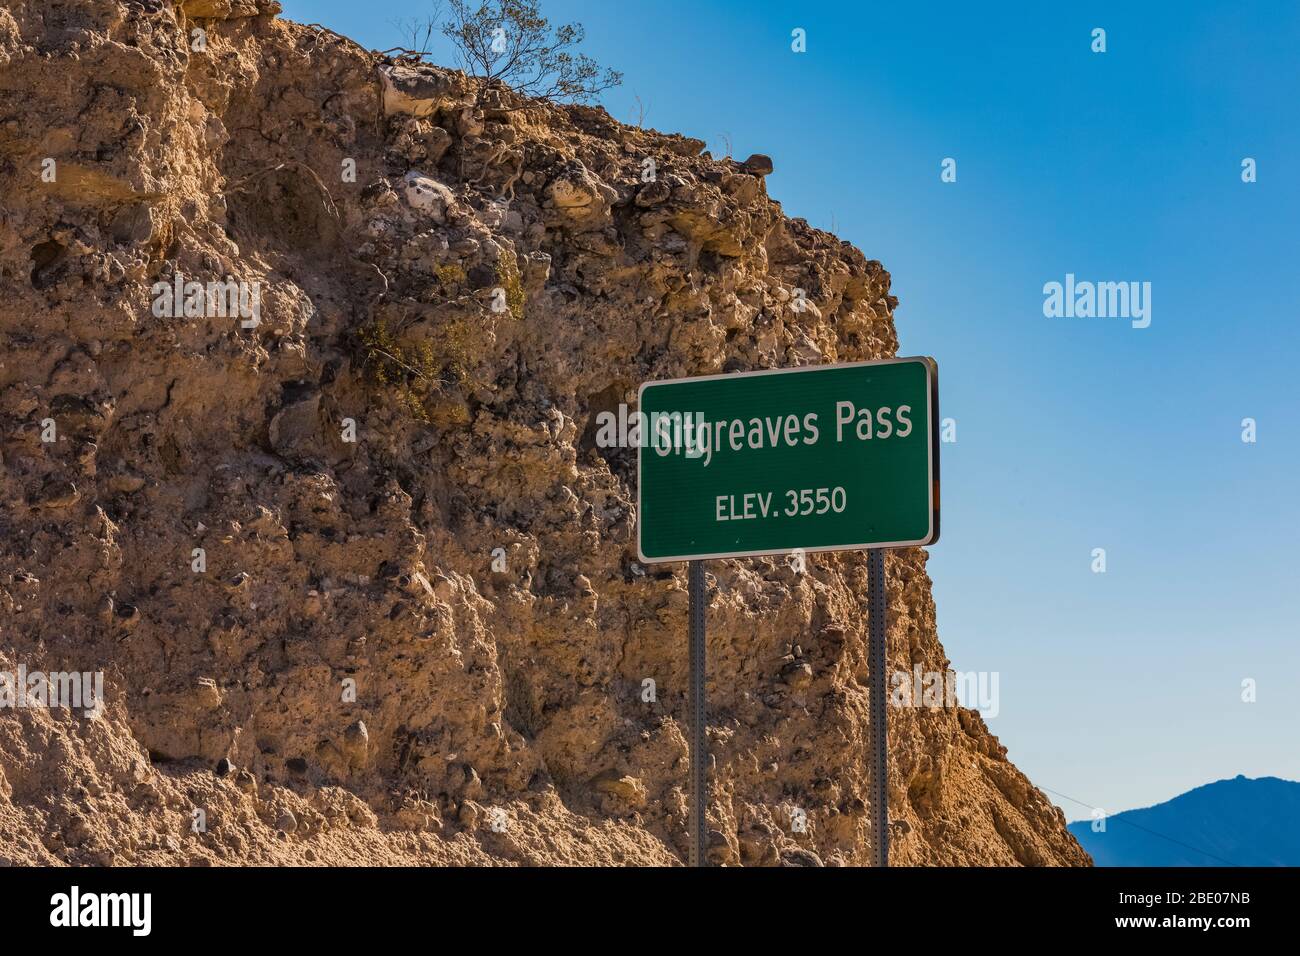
(1120, 689)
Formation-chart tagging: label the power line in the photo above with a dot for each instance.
(1135, 826)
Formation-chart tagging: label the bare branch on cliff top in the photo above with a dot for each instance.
(418, 33)
(509, 42)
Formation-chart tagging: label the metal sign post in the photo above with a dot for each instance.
(876, 659)
(699, 737)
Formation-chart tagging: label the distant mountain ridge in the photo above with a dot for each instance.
(1240, 822)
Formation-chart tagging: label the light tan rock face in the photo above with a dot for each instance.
(199, 528)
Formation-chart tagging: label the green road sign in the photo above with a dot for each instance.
(825, 458)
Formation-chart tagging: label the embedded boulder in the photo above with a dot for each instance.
(417, 90)
(577, 195)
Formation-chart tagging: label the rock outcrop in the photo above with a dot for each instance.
(300, 366)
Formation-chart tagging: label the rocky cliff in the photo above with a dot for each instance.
(300, 363)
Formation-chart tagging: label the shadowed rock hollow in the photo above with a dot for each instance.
(496, 273)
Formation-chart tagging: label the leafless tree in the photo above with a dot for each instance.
(509, 42)
(641, 111)
(417, 33)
